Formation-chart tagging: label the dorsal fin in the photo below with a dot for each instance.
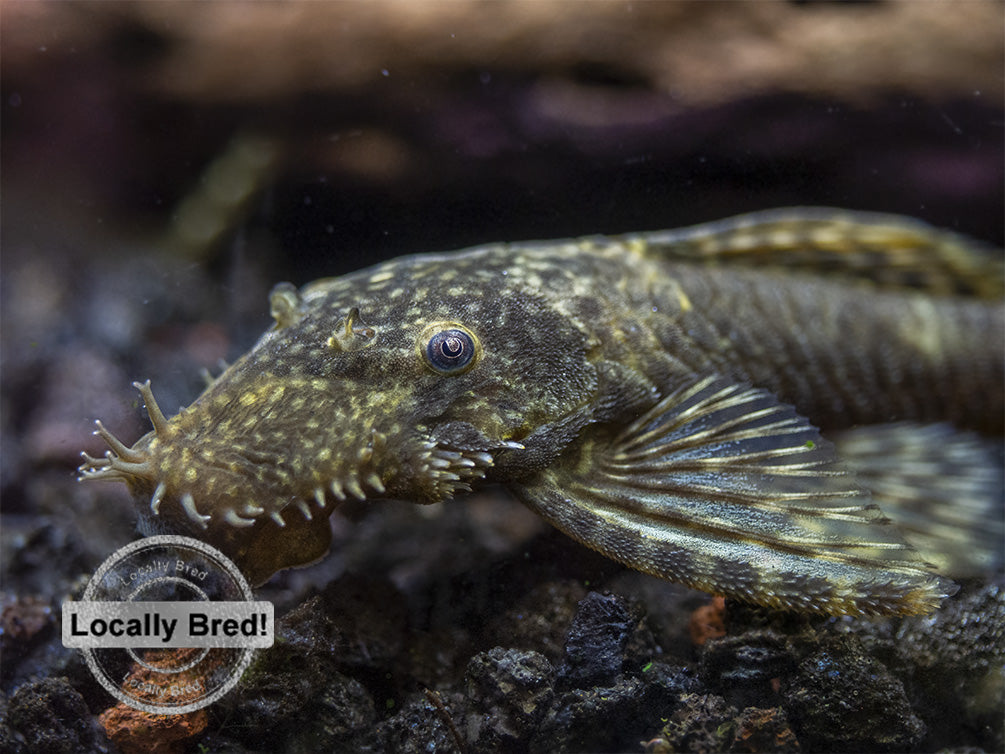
(888, 250)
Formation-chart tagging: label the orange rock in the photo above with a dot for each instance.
(708, 621)
(134, 731)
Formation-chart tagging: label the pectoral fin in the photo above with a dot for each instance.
(721, 487)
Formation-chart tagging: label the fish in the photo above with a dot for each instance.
(767, 407)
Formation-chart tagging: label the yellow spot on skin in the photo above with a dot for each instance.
(249, 399)
(828, 237)
(922, 331)
(263, 396)
(783, 239)
(380, 277)
(637, 246)
(685, 302)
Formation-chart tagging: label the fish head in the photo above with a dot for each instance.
(413, 380)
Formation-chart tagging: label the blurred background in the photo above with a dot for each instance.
(164, 164)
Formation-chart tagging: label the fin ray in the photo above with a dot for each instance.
(724, 488)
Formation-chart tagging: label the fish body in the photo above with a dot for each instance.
(665, 398)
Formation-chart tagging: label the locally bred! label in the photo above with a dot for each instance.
(168, 624)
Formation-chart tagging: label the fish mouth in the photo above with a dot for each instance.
(267, 508)
(198, 488)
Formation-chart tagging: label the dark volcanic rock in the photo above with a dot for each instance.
(616, 717)
(951, 665)
(707, 723)
(53, 718)
(594, 651)
(429, 723)
(11, 741)
(742, 668)
(595, 719)
(343, 717)
(294, 697)
(843, 700)
(703, 723)
(763, 730)
(966, 634)
(511, 690)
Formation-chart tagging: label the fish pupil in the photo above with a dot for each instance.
(450, 350)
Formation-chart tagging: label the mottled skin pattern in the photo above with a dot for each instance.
(575, 341)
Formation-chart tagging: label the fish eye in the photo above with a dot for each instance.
(448, 348)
